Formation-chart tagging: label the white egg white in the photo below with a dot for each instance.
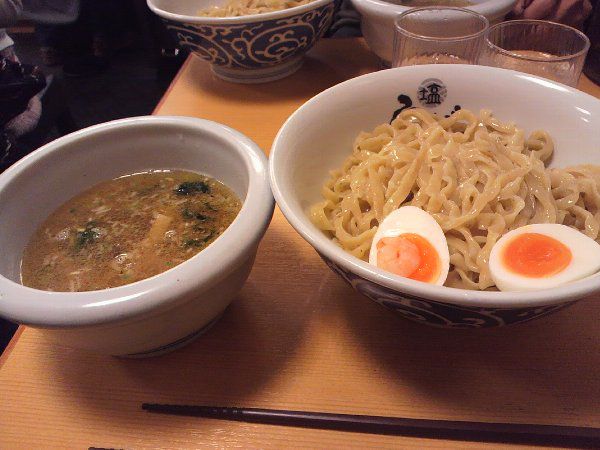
(585, 252)
(411, 219)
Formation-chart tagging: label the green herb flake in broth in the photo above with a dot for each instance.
(192, 187)
(189, 214)
(193, 242)
(87, 235)
(197, 242)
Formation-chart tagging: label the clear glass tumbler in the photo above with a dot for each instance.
(539, 47)
(438, 35)
(592, 63)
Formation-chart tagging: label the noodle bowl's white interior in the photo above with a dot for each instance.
(320, 135)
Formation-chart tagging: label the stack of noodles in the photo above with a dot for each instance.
(477, 176)
(236, 8)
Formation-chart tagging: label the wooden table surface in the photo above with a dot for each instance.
(297, 337)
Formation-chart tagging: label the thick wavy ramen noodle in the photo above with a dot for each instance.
(236, 8)
(477, 176)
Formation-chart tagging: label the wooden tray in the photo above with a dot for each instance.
(297, 337)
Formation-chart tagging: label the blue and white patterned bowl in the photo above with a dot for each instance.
(319, 136)
(249, 49)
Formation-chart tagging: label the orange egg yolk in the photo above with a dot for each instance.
(536, 255)
(409, 255)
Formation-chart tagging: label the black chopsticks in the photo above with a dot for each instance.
(427, 428)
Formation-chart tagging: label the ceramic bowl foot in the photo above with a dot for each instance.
(174, 345)
(255, 76)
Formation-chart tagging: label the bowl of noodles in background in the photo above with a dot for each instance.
(338, 168)
(247, 41)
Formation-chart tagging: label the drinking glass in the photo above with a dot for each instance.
(592, 63)
(539, 47)
(438, 35)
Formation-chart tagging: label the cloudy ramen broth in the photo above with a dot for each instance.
(127, 229)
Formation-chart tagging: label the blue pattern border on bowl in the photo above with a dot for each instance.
(444, 315)
(257, 44)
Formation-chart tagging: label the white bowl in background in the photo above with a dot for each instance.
(319, 136)
(377, 20)
(165, 311)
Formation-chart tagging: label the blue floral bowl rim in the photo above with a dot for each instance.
(253, 18)
(463, 297)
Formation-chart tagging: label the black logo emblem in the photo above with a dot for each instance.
(406, 103)
(432, 92)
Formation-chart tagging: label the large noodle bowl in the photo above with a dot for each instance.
(477, 176)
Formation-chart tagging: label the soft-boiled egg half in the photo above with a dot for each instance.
(542, 256)
(410, 243)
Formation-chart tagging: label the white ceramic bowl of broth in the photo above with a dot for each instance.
(377, 18)
(319, 136)
(164, 311)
